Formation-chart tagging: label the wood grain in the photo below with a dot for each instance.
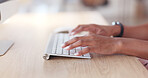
(30, 32)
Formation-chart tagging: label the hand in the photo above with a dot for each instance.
(97, 29)
(93, 43)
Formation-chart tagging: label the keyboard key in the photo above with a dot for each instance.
(60, 42)
(66, 38)
(78, 49)
(72, 52)
(55, 44)
(87, 55)
(65, 52)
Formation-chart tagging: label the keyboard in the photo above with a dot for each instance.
(54, 47)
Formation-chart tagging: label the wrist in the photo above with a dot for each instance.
(118, 45)
(116, 30)
(121, 28)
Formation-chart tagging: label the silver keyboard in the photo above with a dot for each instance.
(54, 47)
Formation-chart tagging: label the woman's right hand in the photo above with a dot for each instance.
(97, 30)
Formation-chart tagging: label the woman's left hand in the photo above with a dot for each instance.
(94, 43)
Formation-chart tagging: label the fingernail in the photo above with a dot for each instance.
(67, 48)
(76, 54)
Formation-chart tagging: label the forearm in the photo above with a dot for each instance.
(139, 32)
(133, 47)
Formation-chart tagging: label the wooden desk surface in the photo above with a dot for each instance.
(30, 32)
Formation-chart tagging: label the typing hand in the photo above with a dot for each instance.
(93, 43)
(97, 29)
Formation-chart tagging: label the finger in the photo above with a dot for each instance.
(78, 29)
(75, 28)
(84, 51)
(71, 33)
(79, 43)
(73, 40)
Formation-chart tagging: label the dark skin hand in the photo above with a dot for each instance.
(106, 45)
(94, 44)
(136, 32)
(97, 29)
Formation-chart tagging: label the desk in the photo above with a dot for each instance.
(30, 32)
